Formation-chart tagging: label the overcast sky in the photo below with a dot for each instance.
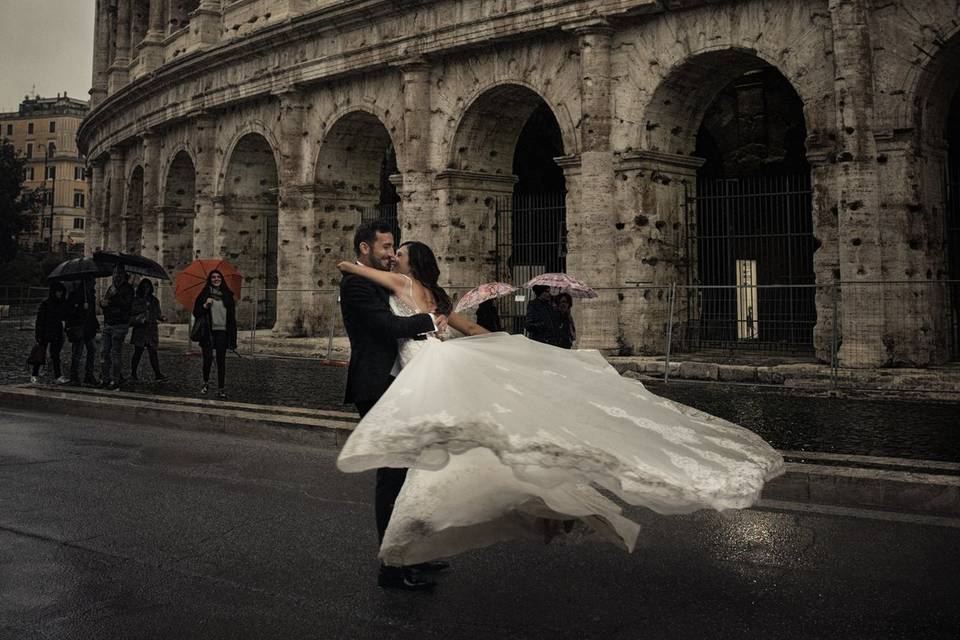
(47, 43)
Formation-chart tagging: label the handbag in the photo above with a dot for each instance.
(38, 355)
(199, 329)
(139, 320)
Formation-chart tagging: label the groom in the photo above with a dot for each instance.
(373, 331)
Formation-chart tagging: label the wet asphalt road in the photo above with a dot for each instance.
(128, 531)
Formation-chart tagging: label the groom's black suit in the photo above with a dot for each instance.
(373, 331)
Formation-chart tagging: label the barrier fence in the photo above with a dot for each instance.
(880, 326)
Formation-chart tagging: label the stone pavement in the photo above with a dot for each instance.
(128, 531)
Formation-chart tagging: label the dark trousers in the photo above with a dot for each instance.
(154, 360)
(217, 343)
(88, 346)
(389, 483)
(54, 348)
(112, 351)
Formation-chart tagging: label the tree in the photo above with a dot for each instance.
(15, 205)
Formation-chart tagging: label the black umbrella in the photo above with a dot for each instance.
(131, 264)
(80, 268)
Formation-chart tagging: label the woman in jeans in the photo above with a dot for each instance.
(216, 307)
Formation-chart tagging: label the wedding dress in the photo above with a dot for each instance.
(505, 437)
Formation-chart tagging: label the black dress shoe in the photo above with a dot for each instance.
(403, 580)
(431, 566)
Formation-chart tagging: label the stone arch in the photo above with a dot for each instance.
(176, 219)
(251, 127)
(248, 224)
(925, 102)
(677, 106)
(132, 240)
(497, 113)
(753, 222)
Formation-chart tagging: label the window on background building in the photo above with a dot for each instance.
(29, 149)
(78, 222)
(51, 173)
(53, 127)
(51, 149)
(29, 173)
(78, 173)
(29, 128)
(78, 199)
(9, 129)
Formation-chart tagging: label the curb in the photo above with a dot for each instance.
(923, 488)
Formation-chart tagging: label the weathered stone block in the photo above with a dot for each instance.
(737, 373)
(699, 370)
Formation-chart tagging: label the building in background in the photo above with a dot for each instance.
(44, 131)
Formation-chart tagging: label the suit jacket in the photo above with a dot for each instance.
(373, 331)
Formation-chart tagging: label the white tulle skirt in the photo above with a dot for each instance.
(506, 437)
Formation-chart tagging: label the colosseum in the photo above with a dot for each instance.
(790, 167)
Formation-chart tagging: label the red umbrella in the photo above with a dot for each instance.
(191, 280)
(562, 282)
(484, 292)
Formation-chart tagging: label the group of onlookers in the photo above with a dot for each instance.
(62, 316)
(549, 319)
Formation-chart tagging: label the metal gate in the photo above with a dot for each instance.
(531, 238)
(267, 312)
(751, 285)
(952, 241)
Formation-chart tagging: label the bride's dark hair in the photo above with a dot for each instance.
(426, 271)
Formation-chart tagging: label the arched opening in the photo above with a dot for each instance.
(354, 181)
(749, 224)
(176, 232)
(511, 132)
(248, 231)
(754, 217)
(132, 239)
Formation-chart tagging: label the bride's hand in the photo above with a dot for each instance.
(344, 266)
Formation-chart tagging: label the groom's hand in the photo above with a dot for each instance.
(441, 322)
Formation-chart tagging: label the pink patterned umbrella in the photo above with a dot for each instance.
(561, 282)
(484, 292)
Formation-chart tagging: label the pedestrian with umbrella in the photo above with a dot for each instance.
(116, 304)
(82, 327)
(48, 330)
(204, 287)
(483, 298)
(145, 316)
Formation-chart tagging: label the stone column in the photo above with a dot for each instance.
(177, 15)
(462, 234)
(139, 18)
(95, 215)
(151, 49)
(101, 53)
(826, 260)
(418, 202)
(120, 69)
(204, 230)
(152, 224)
(859, 224)
(118, 181)
(591, 222)
(206, 23)
(295, 301)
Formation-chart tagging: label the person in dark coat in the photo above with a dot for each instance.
(145, 316)
(543, 321)
(216, 308)
(373, 330)
(567, 330)
(116, 322)
(82, 328)
(48, 329)
(488, 316)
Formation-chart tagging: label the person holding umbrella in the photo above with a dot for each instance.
(215, 326)
(49, 329)
(116, 320)
(145, 315)
(82, 328)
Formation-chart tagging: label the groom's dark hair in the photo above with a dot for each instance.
(367, 232)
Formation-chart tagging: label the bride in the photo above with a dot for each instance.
(509, 438)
